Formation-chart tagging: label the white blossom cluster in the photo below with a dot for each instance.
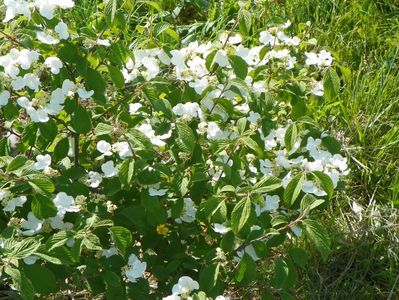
(46, 8)
(184, 287)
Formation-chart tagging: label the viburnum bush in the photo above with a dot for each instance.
(150, 170)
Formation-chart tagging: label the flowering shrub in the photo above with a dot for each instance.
(149, 171)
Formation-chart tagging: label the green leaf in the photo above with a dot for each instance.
(284, 274)
(293, 189)
(291, 136)
(18, 162)
(299, 256)
(61, 149)
(240, 214)
(69, 53)
(81, 120)
(57, 240)
(43, 207)
(102, 129)
(267, 184)
(331, 144)
(309, 203)
(96, 82)
(239, 65)
(319, 235)
(110, 9)
(92, 242)
(241, 125)
(43, 280)
(21, 283)
(115, 288)
(48, 130)
(116, 76)
(211, 206)
(24, 248)
(41, 184)
(252, 144)
(331, 84)
(244, 21)
(246, 269)
(126, 172)
(186, 138)
(208, 277)
(121, 237)
(139, 139)
(325, 182)
(298, 108)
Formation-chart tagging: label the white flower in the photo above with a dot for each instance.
(250, 250)
(318, 89)
(297, 231)
(65, 203)
(46, 38)
(16, 7)
(325, 58)
(311, 58)
(4, 194)
(134, 107)
(14, 203)
(221, 58)
(57, 222)
(4, 97)
(42, 162)
(32, 81)
(109, 169)
(104, 147)
(189, 211)
(214, 132)
(340, 162)
(270, 203)
(95, 179)
(155, 192)
(311, 188)
(39, 115)
(185, 285)
(110, 252)
(220, 228)
(221, 297)
(172, 297)
(233, 39)
(314, 166)
(54, 63)
(85, 94)
(62, 30)
(33, 225)
(136, 268)
(31, 259)
(156, 140)
(123, 149)
(188, 109)
(266, 167)
(27, 57)
(68, 87)
(46, 8)
(24, 102)
(104, 43)
(253, 117)
(267, 38)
